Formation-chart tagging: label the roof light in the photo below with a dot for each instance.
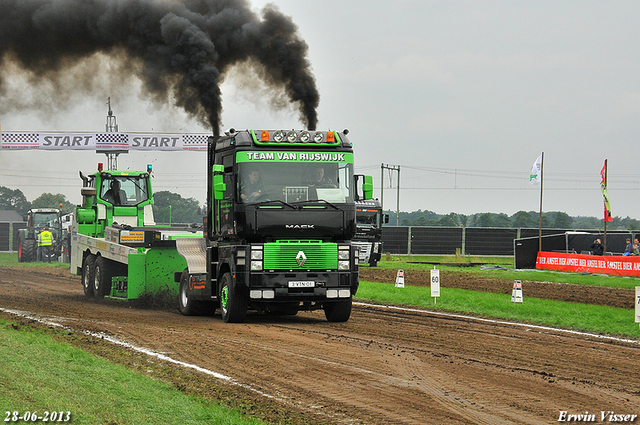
(278, 136)
(330, 137)
(100, 166)
(305, 136)
(318, 137)
(149, 168)
(292, 136)
(265, 136)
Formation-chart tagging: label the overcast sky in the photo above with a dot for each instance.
(463, 96)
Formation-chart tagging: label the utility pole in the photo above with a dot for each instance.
(391, 168)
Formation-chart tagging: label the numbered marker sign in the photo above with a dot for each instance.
(516, 293)
(435, 283)
(400, 279)
(637, 304)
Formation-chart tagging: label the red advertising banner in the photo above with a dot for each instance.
(579, 263)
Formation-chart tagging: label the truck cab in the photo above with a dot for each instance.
(368, 238)
(114, 197)
(281, 216)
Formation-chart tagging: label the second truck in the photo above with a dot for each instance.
(281, 214)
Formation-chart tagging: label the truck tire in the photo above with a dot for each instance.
(338, 311)
(29, 250)
(188, 306)
(102, 274)
(232, 304)
(87, 275)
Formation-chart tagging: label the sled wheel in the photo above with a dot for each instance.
(87, 275)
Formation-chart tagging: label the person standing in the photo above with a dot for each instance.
(45, 240)
(597, 248)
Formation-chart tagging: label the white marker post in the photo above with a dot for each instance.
(435, 284)
(516, 293)
(400, 279)
(637, 304)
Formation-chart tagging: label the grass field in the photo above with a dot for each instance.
(87, 388)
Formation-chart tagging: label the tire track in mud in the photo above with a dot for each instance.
(383, 366)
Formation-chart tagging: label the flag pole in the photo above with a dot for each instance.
(605, 207)
(541, 183)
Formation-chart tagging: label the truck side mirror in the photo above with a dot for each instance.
(386, 218)
(219, 187)
(367, 187)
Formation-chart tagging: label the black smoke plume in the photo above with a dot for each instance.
(178, 49)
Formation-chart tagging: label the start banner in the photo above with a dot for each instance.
(104, 141)
(617, 266)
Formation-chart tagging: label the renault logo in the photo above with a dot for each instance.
(301, 258)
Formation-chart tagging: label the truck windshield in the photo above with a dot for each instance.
(124, 190)
(295, 182)
(367, 218)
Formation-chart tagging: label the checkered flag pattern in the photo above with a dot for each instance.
(19, 140)
(195, 141)
(112, 140)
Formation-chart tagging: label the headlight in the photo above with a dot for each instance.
(343, 265)
(343, 255)
(278, 136)
(318, 137)
(292, 136)
(256, 265)
(256, 254)
(305, 136)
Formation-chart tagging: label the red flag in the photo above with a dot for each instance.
(605, 193)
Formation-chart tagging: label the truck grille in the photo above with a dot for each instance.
(300, 255)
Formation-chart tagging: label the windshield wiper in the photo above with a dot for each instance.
(293, 207)
(322, 200)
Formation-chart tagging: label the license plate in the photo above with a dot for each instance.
(302, 284)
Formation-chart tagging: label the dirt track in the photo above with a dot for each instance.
(383, 366)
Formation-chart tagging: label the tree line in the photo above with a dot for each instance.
(521, 219)
(168, 206)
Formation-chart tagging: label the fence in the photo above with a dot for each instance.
(417, 240)
(9, 235)
(414, 240)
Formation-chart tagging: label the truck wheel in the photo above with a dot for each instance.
(232, 304)
(338, 311)
(29, 250)
(188, 306)
(102, 278)
(87, 275)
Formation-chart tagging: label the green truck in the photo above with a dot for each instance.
(276, 237)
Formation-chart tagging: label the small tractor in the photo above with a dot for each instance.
(36, 220)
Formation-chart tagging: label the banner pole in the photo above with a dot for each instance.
(541, 183)
(605, 207)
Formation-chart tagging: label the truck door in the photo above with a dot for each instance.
(224, 207)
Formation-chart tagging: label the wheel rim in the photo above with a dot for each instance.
(85, 276)
(224, 297)
(184, 299)
(96, 280)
